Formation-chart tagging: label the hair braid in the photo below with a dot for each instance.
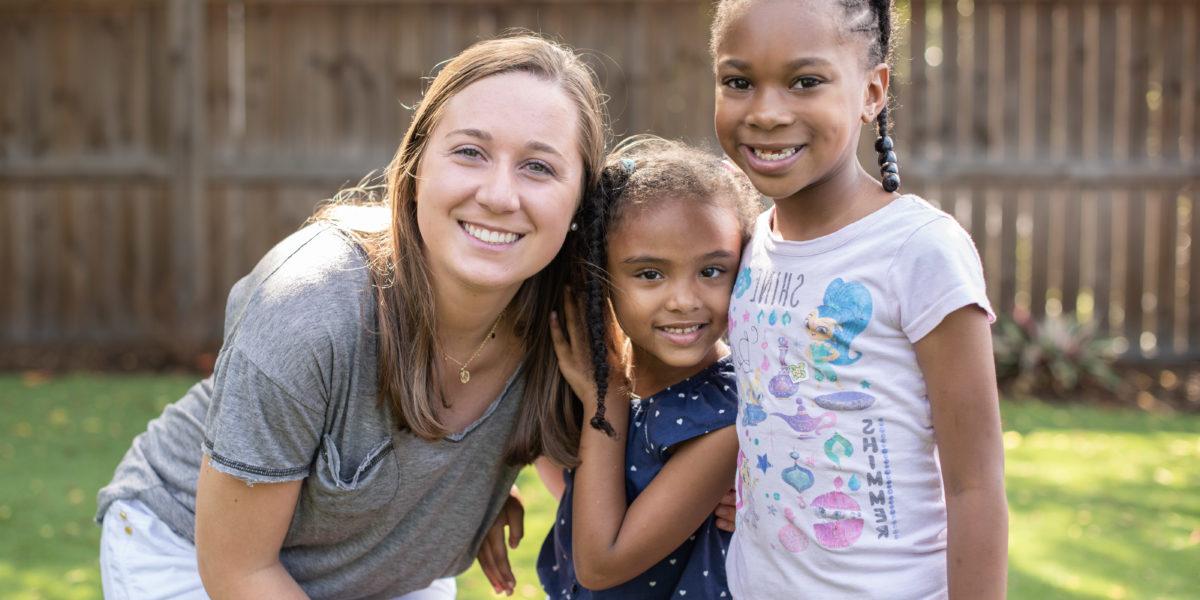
(889, 167)
(612, 181)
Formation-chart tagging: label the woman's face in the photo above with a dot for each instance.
(499, 181)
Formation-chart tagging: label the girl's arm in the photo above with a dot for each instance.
(956, 361)
(551, 475)
(613, 542)
(239, 531)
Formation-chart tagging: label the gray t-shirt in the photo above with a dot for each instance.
(381, 512)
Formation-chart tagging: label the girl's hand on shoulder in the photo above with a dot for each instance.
(571, 345)
(726, 511)
(493, 555)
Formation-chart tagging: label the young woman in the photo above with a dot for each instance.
(379, 386)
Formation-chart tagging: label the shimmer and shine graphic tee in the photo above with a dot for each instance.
(839, 491)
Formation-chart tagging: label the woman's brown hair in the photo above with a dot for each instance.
(548, 421)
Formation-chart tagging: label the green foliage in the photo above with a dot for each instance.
(1057, 356)
(1103, 503)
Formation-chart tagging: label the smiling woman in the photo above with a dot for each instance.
(385, 370)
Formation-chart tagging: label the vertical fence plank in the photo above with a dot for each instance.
(950, 75)
(916, 93)
(1072, 240)
(1165, 307)
(187, 135)
(1193, 307)
(20, 236)
(1014, 82)
(981, 27)
(1008, 252)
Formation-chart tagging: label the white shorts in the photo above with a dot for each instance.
(142, 559)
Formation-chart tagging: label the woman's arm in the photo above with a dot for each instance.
(239, 531)
(956, 361)
(613, 542)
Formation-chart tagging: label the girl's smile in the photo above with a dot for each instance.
(671, 264)
(792, 94)
(682, 334)
(770, 159)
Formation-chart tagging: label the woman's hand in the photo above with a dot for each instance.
(493, 555)
(575, 356)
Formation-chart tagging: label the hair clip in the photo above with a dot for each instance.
(627, 165)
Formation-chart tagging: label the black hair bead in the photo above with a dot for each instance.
(890, 167)
(887, 157)
(891, 182)
(884, 143)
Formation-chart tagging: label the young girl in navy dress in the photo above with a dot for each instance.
(871, 463)
(664, 235)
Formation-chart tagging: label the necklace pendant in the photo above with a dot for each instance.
(464, 375)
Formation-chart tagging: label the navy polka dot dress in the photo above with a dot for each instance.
(693, 407)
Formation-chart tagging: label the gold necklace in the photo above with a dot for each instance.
(463, 374)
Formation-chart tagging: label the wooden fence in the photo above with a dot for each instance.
(152, 150)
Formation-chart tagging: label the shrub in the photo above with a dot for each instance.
(1055, 356)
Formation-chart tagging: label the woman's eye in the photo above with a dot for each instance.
(737, 83)
(710, 272)
(649, 275)
(541, 168)
(806, 82)
(469, 152)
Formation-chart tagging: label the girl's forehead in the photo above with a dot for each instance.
(648, 221)
(782, 31)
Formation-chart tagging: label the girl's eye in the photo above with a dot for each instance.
(806, 82)
(649, 275)
(737, 83)
(711, 272)
(540, 167)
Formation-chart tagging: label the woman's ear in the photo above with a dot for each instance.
(875, 93)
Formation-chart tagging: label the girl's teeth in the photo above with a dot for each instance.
(681, 330)
(776, 155)
(489, 236)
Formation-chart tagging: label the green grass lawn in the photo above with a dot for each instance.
(1105, 503)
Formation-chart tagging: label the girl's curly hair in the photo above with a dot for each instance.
(640, 171)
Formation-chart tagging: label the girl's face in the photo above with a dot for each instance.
(792, 94)
(672, 264)
(498, 181)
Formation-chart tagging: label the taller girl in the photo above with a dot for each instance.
(871, 463)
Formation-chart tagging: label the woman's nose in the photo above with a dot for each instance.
(498, 192)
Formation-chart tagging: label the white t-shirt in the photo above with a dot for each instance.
(839, 486)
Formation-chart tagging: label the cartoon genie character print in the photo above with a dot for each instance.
(836, 519)
(832, 326)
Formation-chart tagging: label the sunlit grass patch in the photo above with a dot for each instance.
(1104, 504)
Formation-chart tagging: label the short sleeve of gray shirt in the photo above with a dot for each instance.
(381, 512)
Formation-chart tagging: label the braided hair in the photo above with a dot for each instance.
(643, 170)
(889, 167)
(597, 209)
(873, 20)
